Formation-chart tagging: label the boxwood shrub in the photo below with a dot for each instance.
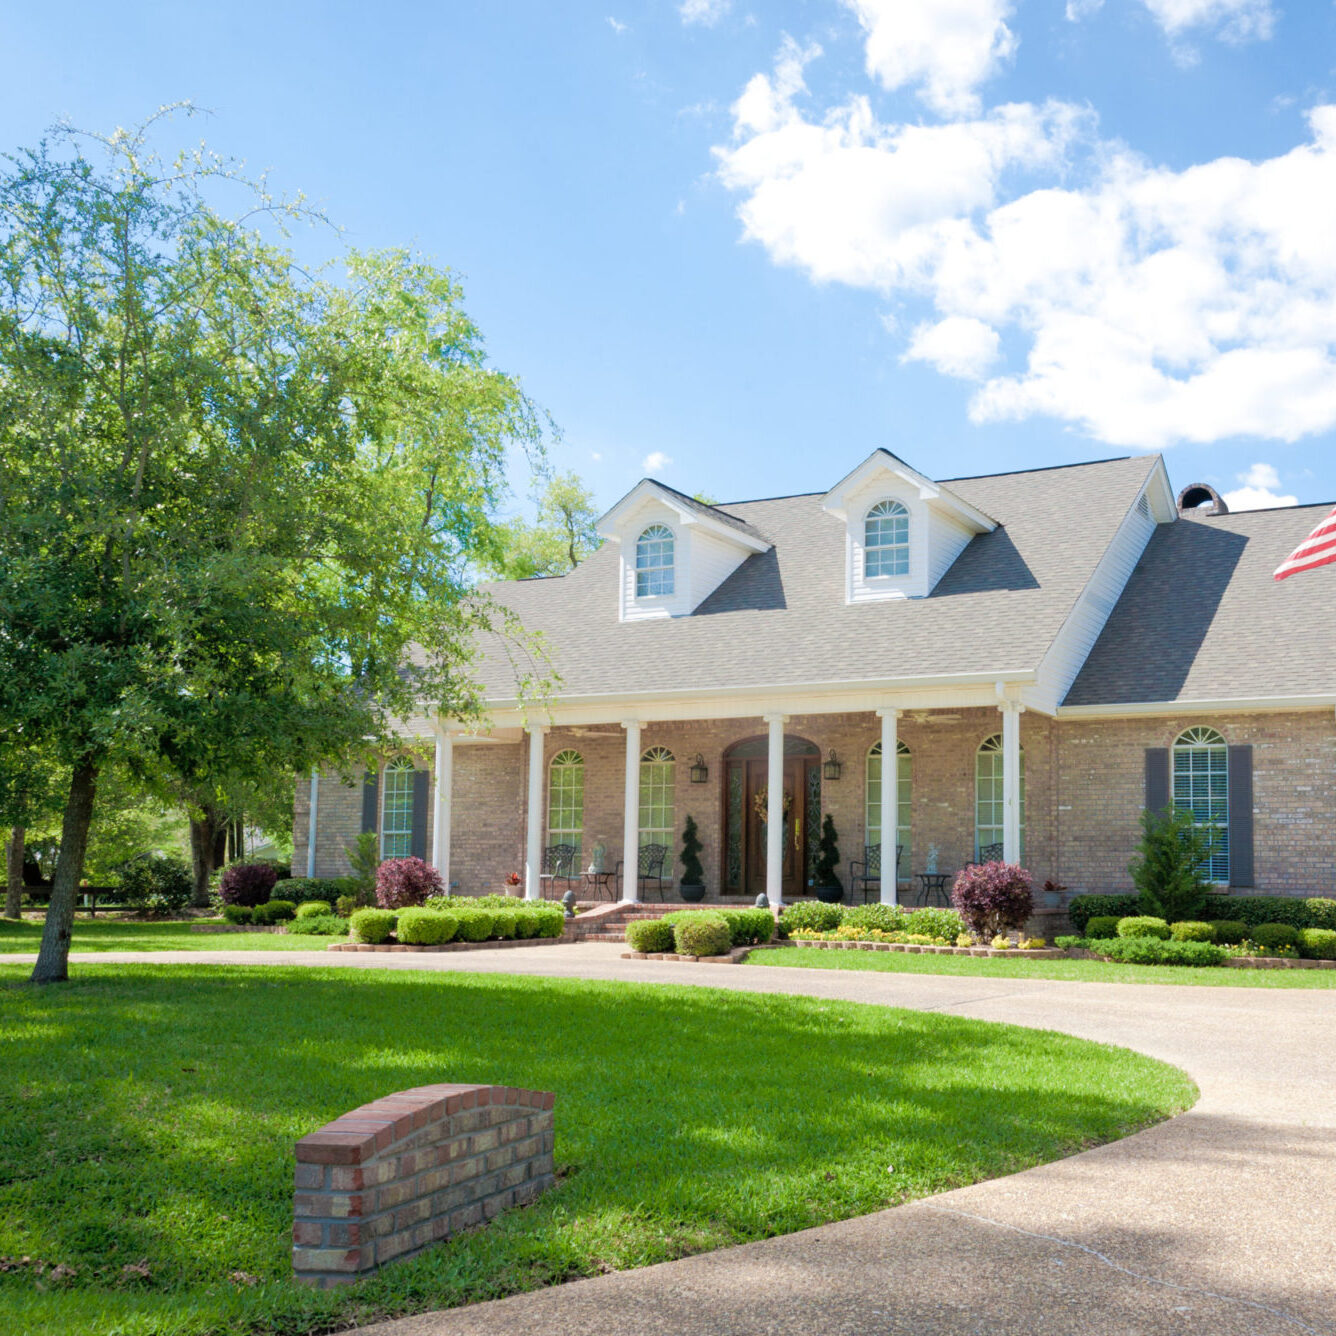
(503, 924)
(1271, 936)
(238, 914)
(301, 889)
(1143, 925)
(750, 926)
(475, 925)
(944, 924)
(314, 909)
(1190, 931)
(274, 911)
(1230, 932)
(702, 935)
(318, 925)
(425, 927)
(1082, 908)
(813, 914)
(1102, 925)
(1158, 951)
(371, 925)
(1317, 943)
(1321, 912)
(650, 935)
(886, 918)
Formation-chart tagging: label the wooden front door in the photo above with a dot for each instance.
(793, 878)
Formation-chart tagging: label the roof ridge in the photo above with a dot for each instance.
(1044, 468)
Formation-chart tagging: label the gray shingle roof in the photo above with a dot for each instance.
(781, 620)
(1203, 619)
(713, 512)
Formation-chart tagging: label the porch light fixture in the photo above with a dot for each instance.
(700, 772)
(832, 767)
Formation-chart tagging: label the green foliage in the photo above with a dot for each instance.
(1188, 931)
(318, 925)
(364, 859)
(1082, 908)
(345, 905)
(1321, 912)
(1103, 925)
(650, 936)
(1317, 943)
(750, 927)
(1274, 936)
(702, 934)
(564, 535)
(1158, 951)
(692, 873)
(944, 924)
(425, 927)
(1169, 870)
(1229, 932)
(885, 918)
(1257, 909)
(314, 909)
(1071, 943)
(526, 924)
(475, 925)
(828, 855)
(810, 914)
(372, 926)
(239, 915)
(274, 911)
(504, 925)
(1143, 925)
(158, 885)
(300, 890)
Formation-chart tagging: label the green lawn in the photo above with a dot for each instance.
(148, 1113)
(126, 935)
(1017, 967)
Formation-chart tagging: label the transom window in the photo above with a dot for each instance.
(654, 562)
(1201, 786)
(658, 775)
(989, 801)
(886, 540)
(565, 800)
(396, 810)
(905, 768)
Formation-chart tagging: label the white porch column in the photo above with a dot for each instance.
(533, 844)
(890, 801)
(445, 781)
(631, 814)
(774, 811)
(1011, 780)
(310, 828)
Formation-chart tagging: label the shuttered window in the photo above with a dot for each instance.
(1201, 786)
(396, 810)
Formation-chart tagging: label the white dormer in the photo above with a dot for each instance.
(902, 530)
(674, 551)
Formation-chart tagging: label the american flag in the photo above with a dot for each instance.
(1316, 550)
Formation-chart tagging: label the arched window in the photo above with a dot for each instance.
(886, 540)
(988, 799)
(1201, 786)
(566, 800)
(654, 561)
(658, 775)
(396, 810)
(905, 765)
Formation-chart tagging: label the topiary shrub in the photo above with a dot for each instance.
(475, 925)
(425, 927)
(156, 884)
(372, 926)
(1230, 932)
(237, 914)
(1143, 925)
(1169, 869)
(274, 911)
(1317, 943)
(885, 918)
(811, 914)
(1157, 951)
(993, 898)
(828, 857)
(1082, 908)
(692, 872)
(943, 924)
(1102, 925)
(314, 909)
(405, 882)
(316, 925)
(1274, 936)
(1191, 931)
(650, 936)
(247, 883)
(702, 935)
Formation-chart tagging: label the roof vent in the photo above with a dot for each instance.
(1201, 496)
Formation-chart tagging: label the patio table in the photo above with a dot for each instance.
(934, 885)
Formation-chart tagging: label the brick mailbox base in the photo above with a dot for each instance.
(406, 1171)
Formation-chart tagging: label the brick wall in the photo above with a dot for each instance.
(404, 1172)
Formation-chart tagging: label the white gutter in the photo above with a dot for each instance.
(1323, 701)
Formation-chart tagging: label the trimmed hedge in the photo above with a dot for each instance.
(372, 926)
(314, 909)
(885, 918)
(300, 890)
(1272, 936)
(1102, 925)
(1230, 932)
(1254, 910)
(318, 925)
(944, 924)
(702, 935)
(502, 916)
(650, 936)
(745, 926)
(1190, 931)
(475, 925)
(274, 911)
(1143, 925)
(813, 914)
(1082, 908)
(1317, 943)
(425, 927)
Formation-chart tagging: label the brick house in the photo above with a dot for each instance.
(1044, 653)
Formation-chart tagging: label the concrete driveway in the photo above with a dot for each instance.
(1220, 1221)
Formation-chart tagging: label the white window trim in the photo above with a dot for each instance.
(907, 547)
(401, 766)
(1200, 745)
(984, 748)
(566, 834)
(670, 567)
(661, 756)
(905, 796)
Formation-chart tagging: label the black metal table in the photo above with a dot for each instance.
(599, 882)
(934, 884)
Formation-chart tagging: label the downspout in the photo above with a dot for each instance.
(310, 835)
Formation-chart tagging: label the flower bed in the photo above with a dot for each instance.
(1137, 939)
(832, 943)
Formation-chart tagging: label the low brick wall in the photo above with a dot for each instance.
(404, 1172)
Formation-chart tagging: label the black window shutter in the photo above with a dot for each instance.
(418, 843)
(1157, 778)
(370, 800)
(1241, 817)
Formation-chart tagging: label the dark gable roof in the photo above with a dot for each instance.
(781, 620)
(1202, 617)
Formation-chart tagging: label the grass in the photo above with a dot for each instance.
(1006, 967)
(128, 935)
(148, 1113)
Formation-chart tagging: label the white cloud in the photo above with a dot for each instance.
(1082, 9)
(596, 456)
(1259, 490)
(705, 12)
(618, 28)
(656, 461)
(957, 346)
(944, 48)
(1152, 306)
(1233, 20)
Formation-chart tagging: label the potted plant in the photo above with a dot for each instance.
(692, 886)
(827, 884)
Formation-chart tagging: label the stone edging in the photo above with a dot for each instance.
(1045, 953)
(234, 927)
(735, 957)
(448, 946)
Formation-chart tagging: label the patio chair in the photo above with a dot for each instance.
(559, 873)
(866, 876)
(990, 853)
(649, 869)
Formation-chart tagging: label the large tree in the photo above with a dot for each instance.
(233, 494)
(560, 539)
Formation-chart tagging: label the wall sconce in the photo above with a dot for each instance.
(832, 767)
(700, 772)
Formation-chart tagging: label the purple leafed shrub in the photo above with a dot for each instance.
(248, 883)
(993, 898)
(401, 882)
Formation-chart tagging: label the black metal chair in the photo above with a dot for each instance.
(990, 853)
(558, 870)
(866, 876)
(649, 869)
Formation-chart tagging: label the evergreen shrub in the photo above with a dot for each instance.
(274, 911)
(1143, 925)
(372, 926)
(1317, 943)
(318, 925)
(1190, 931)
(424, 927)
(1274, 936)
(702, 935)
(650, 936)
(1102, 925)
(314, 909)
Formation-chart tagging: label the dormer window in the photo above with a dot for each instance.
(886, 540)
(654, 562)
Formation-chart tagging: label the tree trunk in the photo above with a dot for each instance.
(53, 957)
(204, 852)
(14, 873)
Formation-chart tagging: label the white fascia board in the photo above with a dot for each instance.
(882, 461)
(1217, 705)
(609, 525)
(1160, 494)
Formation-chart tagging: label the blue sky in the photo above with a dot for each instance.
(749, 243)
